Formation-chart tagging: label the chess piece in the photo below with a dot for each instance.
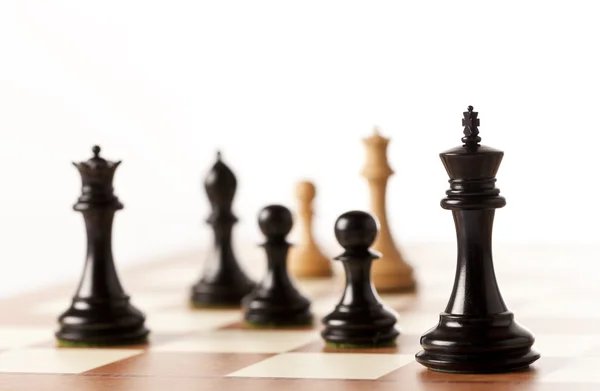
(223, 282)
(100, 313)
(360, 319)
(306, 259)
(391, 273)
(476, 333)
(276, 301)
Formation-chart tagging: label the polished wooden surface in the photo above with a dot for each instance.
(552, 290)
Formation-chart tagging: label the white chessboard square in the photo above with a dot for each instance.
(186, 320)
(364, 366)
(17, 337)
(241, 341)
(417, 323)
(63, 360)
(566, 345)
(579, 370)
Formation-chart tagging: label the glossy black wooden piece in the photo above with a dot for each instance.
(276, 301)
(476, 333)
(100, 313)
(359, 319)
(223, 282)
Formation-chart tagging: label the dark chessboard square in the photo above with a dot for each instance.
(180, 364)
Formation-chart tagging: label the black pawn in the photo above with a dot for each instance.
(359, 319)
(100, 313)
(276, 301)
(476, 333)
(223, 283)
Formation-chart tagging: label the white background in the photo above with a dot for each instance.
(287, 90)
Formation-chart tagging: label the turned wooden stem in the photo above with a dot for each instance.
(305, 212)
(378, 194)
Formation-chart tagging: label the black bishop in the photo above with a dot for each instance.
(223, 282)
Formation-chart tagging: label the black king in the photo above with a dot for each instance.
(476, 333)
(100, 313)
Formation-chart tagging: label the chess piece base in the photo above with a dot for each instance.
(257, 319)
(101, 323)
(264, 307)
(470, 344)
(143, 340)
(205, 294)
(390, 344)
(366, 328)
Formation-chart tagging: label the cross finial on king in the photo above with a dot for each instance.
(471, 122)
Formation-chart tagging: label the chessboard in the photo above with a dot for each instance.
(549, 288)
